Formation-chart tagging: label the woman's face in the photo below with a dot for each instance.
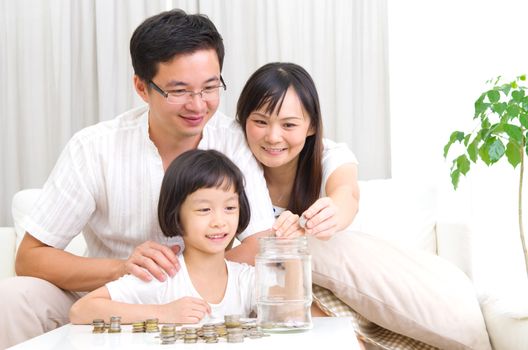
(277, 139)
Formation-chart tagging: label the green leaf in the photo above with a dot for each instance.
(455, 176)
(493, 96)
(484, 133)
(485, 123)
(472, 149)
(506, 88)
(480, 106)
(523, 118)
(522, 77)
(455, 136)
(484, 154)
(524, 103)
(513, 153)
(466, 139)
(499, 108)
(513, 110)
(496, 128)
(517, 95)
(514, 132)
(496, 150)
(463, 164)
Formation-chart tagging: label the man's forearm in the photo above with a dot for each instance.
(65, 270)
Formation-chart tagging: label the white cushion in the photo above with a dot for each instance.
(405, 290)
(506, 316)
(7, 254)
(398, 211)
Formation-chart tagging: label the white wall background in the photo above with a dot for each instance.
(441, 53)
(53, 81)
(65, 64)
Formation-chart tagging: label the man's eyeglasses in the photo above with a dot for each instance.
(182, 96)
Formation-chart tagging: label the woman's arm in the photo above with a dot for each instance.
(335, 212)
(98, 304)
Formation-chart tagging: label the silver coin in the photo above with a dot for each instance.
(302, 221)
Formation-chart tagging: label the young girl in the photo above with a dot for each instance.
(307, 176)
(202, 199)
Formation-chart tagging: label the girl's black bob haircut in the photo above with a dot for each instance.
(190, 172)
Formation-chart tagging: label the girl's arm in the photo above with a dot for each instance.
(98, 304)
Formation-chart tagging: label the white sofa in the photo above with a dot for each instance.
(402, 212)
(387, 207)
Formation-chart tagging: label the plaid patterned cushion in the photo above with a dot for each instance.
(367, 331)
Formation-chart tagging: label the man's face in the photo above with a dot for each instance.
(191, 72)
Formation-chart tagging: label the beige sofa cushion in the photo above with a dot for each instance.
(407, 291)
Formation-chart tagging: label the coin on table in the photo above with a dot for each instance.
(98, 326)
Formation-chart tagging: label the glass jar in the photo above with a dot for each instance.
(283, 274)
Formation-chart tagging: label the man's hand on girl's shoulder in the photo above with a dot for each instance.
(153, 259)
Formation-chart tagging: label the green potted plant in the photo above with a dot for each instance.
(501, 115)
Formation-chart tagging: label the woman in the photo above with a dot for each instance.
(308, 177)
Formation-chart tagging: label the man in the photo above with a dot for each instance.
(106, 182)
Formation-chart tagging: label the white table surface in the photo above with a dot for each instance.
(327, 333)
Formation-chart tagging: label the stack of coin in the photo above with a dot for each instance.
(190, 336)
(252, 331)
(232, 321)
(115, 324)
(199, 332)
(208, 333)
(221, 329)
(98, 326)
(235, 335)
(168, 334)
(138, 327)
(151, 325)
(180, 333)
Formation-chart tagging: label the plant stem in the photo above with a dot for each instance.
(521, 230)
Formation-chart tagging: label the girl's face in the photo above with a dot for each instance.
(209, 218)
(277, 139)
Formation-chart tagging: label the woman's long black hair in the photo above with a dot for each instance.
(268, 86)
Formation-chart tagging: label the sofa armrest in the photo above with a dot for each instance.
(7, 251)
(506, 312)
(453, 242)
